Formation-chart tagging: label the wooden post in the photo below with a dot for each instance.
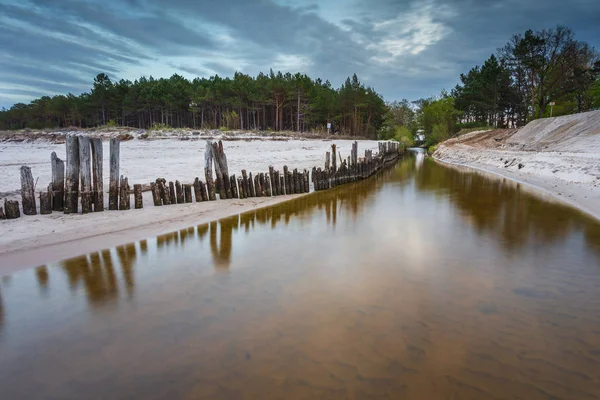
(137, 195)
(268, 190)
(327, 160)
(72, 175)
(208, 174)
(272, 179)
(187, 192)
(58, 182)
(245, 184)
(27, 191)
(257, 187)
(333, 159)
(179, 193)
(286, 180)
(242, 192)
(155, 194)
(297, 186)
(225, 170)
(220, 160)
(85, 169)
(2, 216)
(314, 178)
(252, 190)
(46, 201)
(172, 195)
(234, 188)
(306, 182)
(124, 198)
(97, 180)
(263, 185)
(198, 190)
(113, 186)
(203, 191)
(281, 185)
(11, 209)
(163, 190)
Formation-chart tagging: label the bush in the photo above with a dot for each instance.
(404, 136)
(111, 124)
(432, 149)
(159, 127)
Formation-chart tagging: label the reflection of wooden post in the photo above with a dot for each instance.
(137, 194)
(11, 209)
(27, 191)
(97, 183)
(113, 188)
(85, 166)
(58, 182)
(72, 175)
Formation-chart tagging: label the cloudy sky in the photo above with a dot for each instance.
(403, 48)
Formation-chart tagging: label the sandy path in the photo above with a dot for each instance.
(51, 238)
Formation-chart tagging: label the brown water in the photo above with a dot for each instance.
(425, 282)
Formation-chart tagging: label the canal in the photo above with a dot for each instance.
(424, 282)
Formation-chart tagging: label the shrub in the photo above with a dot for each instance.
(111, 124)
(157, 126)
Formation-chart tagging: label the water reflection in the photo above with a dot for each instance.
(424, 282)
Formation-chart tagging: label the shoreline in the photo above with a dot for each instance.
(99, 231)
(584, 198)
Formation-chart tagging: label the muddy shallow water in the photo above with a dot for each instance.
(425, 282)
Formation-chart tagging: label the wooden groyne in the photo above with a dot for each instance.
(77, 185)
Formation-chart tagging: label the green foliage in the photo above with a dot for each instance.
(438, 118)
(111, 124)
(432, 149)
(404, 136)
(273, 101)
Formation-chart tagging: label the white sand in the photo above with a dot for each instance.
(559, 156)
(35, 240)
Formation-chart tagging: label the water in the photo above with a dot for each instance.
(425, 282)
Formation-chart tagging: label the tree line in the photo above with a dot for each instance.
(273, 101)
(534, 75)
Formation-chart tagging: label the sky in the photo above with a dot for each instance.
(403, 49)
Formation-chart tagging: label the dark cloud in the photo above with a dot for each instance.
(403, 48)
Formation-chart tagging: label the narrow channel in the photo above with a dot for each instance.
(423, 282)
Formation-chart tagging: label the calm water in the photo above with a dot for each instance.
(424, 282)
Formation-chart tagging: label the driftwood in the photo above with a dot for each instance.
(27, 191)
(113, 187)
(58, 182)
(85, 170)
(137, 194)
(11, 209)
(72, 175)
(97, 179)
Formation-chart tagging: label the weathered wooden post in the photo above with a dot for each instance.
(208, 174)
(179, 193)
(252, 190)
(11, 209)
(245, 184)
(85, 169)
(224, 169)
(286, 179)
(257, 187)
(27, 191)
(72, 175)
(314, 178)
(327, 159)
(263, 185)
(272, 179)
(165, 194)
(124, 198)
(267, 185)
(58, 182)
(333, 159)
(113, 185)
(46, 201)
(282, 185)
(223, 182)
(233, 185)
(97, 179)
(198, 190)
(242, 192)
(203, 191)
(137, 195)
(187, 192)
(155, 194)
(306, 182)
(172, 195)
(2, 216)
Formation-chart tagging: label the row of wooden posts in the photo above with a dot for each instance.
(79, 181)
